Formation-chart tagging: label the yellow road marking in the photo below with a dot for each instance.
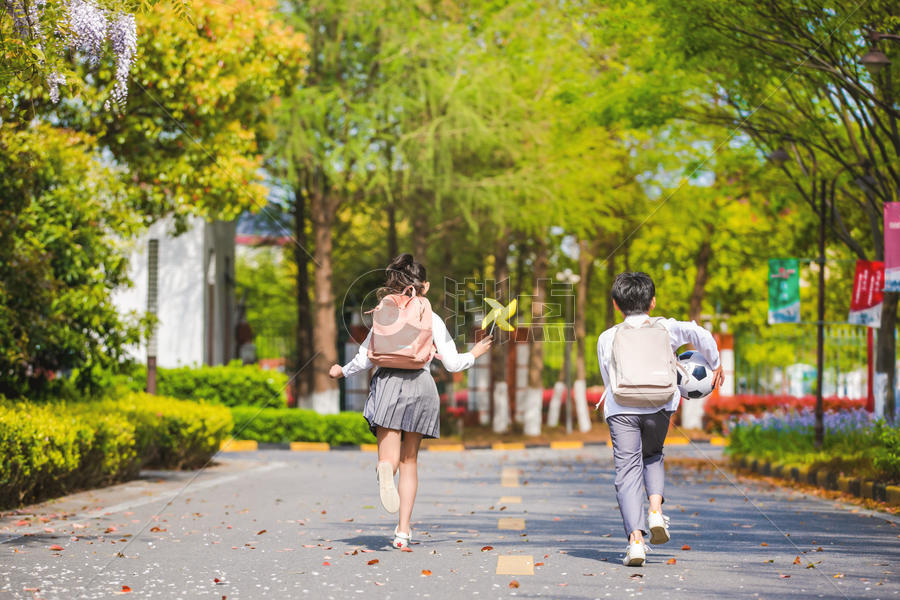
(515, 565)
(230, 445)
(507, 446)
(566, 445)
(310, 447)
(446, 448)
(677, 441)
(509, 477)
(510, 500)
(718, 440)
(514, 523)
(368, 447)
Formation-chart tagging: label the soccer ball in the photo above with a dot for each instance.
(695, 376)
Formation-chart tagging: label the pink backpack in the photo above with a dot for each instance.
(401, 331)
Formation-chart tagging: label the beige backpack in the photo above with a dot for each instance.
(643, 365)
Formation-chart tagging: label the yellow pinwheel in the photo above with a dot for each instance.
(499, 315)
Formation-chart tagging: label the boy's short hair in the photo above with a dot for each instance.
(633, 292)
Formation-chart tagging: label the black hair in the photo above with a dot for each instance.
(633, 292)
(402, 273)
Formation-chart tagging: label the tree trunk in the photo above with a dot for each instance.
(579, 388)
(393, 248)
(303, 379)
(610, 277)
(699, 291)
(500, 351)
(534, 397)
(420, 228)
(885, 356)
(325, 397)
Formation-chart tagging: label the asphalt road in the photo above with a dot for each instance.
(278, 524)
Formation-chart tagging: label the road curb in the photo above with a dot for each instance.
(230, 445)
(822, 478)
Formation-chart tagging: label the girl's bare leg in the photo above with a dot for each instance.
(409, 478)
(388, 446)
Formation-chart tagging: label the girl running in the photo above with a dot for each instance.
(403, 404)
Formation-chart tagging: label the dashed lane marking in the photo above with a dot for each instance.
(510, 500)
(513, 523)
(515, 565)
(509, 477)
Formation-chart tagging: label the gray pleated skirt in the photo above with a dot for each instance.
(404, 399)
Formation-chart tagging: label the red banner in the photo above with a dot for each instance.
(868, 286)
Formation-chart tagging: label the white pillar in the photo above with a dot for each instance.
(582, 412)
(532, 414)
(479, 388)
(522, 353)
(327, 402)
(555, 402)
(501, 407)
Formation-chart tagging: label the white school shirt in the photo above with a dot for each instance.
(452, 360)
(680, 332)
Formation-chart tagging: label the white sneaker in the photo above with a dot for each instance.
(658, 524)
(401, 540)
(390, 499)
(635, 554)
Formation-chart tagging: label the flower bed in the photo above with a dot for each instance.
(53, 448)
(854, 443)
(719, 410)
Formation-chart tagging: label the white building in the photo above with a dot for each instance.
(196, 302)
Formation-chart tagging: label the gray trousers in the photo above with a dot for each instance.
(637, 442)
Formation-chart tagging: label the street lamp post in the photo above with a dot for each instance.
(567, 276)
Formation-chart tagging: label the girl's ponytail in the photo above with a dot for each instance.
(403, 272)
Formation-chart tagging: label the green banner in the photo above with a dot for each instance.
(784, 290)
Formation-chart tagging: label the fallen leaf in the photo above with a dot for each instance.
(685, 547)
(539, 564)
(374, 561)
(783, 576)
(487, 548)
(218, 581)
(838, 575)
(671, 561)
(763, 544)
(56, 547)
(156, 529)
(260, 532)
(405, 550)
(31, 589)
(377, 583)
(125, 589)
(22, 523)
(326, 564)
(797, 561)
(426, 572)
(513, 584)
(636, 576)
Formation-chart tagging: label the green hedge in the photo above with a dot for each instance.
(232, 385)
(280, 425)
(871, 452)
(52, 448)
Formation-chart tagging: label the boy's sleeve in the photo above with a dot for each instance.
(601, 360)
(688, 332)
(361, 361)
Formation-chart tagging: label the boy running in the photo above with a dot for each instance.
(637, 362)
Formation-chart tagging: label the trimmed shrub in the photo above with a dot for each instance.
(232, 385)
(53, 448)
(282, 425)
